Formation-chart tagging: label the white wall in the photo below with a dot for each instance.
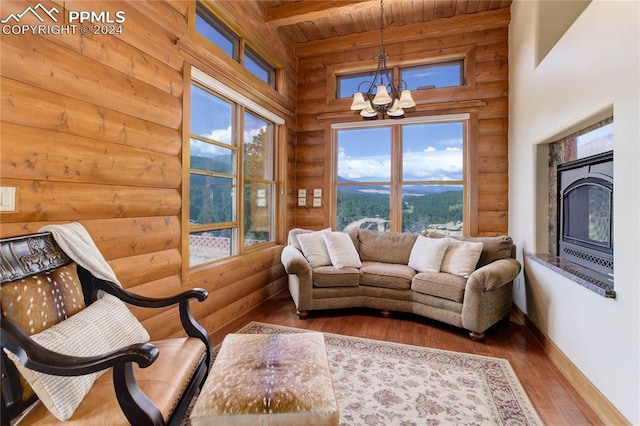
(594, 67)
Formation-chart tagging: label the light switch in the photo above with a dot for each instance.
(302, 193)
(317, 202)
(317, 192)
(7, 198)
(302, 202)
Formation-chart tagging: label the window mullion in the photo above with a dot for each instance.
(395, 211)
(240, 183)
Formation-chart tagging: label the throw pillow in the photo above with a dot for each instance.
(314, 249)
(55, 295)
(461, 257)
(102, 327)
(341, 250)
(427, 254)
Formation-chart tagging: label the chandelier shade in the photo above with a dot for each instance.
(381, 98)
(358, 102)
(406, 100)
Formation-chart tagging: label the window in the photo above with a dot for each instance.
(413, 168)
(260, 184)
(259, 67)
(429, 76)
(447, 74)
(216, 32)
(349, 84)
(209, 26)
(230, 147)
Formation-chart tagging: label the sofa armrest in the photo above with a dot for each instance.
(495, 274)
(294, 262)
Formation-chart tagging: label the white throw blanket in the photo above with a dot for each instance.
(76, 242)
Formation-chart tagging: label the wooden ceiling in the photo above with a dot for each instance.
(307, 20)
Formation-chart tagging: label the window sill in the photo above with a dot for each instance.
(594, 281)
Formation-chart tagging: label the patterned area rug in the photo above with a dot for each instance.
(382, 383)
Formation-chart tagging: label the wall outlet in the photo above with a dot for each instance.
(7, 199)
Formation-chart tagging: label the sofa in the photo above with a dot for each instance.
(462, 281)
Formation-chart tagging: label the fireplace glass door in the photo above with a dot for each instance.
(587, 215)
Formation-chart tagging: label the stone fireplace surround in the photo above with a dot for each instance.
(561, 152)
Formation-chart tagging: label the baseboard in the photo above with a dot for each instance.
(600, 404)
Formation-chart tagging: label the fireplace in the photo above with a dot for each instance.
(585, 220)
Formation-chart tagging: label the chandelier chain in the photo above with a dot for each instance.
(382, 26)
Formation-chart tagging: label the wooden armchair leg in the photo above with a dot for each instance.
(302, 314)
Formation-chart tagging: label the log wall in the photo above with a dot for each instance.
(92, 131)
(481, 38)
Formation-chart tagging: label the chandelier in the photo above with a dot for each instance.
(388, 99)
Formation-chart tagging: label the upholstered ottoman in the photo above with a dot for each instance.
(264, 379)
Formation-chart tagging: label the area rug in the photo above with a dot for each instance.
(383, 383)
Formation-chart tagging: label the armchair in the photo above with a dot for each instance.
(59, 319)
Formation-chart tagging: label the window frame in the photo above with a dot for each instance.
(210, 18)
(241, 106)
(396, 183)
(396, 73)
(241, 47)
(431, 65)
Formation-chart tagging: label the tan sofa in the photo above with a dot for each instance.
(385, 281)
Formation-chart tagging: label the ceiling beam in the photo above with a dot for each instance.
(292, 13)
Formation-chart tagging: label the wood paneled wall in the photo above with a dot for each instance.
(481, 38)
(92, 131)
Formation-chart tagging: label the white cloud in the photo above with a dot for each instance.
(220, 135)
(428, 165)
(374, 168)
(429, 149)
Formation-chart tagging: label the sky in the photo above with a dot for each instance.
(430, 151)
(211, 117)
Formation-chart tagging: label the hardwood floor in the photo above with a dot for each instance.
(552, 395)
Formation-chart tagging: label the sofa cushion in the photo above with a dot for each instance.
(342, 251)
(461, 257)
(386, 247)
(387, 275)
(329, 276)
(427, 254)
(440, 284)
(493, 248)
